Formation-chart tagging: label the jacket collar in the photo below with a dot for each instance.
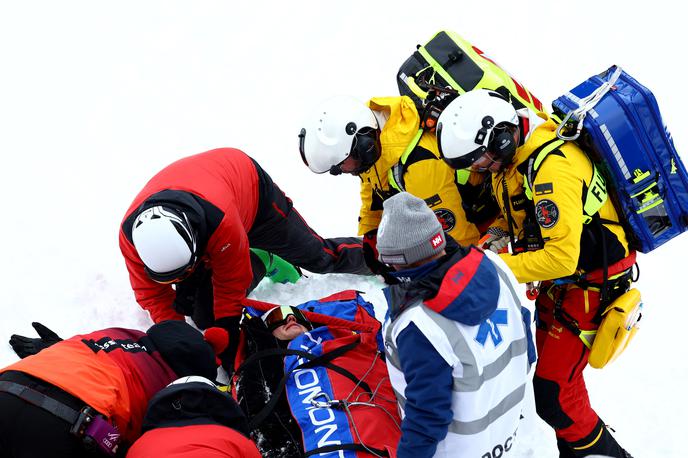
(462, 287)
(400, 126)
(543, 132)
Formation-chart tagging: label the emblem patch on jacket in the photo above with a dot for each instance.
(547, 213)
(446, 219)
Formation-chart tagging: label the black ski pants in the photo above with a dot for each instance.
(281, 230)
(278, 229)
(27, 431)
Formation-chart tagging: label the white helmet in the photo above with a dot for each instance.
(165, 242)
(340, 126)
(193, 379)
(474, 123)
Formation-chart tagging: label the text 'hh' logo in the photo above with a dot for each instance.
(436, 240)
(489, 327)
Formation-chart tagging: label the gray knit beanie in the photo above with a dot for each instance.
(409, 231)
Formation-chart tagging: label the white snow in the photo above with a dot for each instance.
(95, 97)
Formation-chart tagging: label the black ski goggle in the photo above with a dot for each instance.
(279, 316)
(174, 276)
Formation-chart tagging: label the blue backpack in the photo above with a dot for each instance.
(617, 121)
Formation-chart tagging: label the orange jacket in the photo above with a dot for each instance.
(115, 371)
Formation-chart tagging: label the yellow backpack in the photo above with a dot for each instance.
(449, 61)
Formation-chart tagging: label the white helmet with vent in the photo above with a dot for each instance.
(339, 127)
(165, 242)
(475, 123)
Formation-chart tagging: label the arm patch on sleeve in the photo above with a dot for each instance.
(547, 213)
(543, 189)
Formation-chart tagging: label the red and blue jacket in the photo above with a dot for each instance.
(336, 382)
(458, 347)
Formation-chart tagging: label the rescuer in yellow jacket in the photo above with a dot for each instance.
(565, 244)
(564, 232)
(382, 143)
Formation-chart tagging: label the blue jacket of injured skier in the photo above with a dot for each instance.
(458, 342)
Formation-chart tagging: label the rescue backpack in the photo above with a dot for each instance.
(327, 391)
(434, 75)
(448, 66)
(617, 121)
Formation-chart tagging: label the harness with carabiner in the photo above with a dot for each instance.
(608, 280)
(610, 285)
(86, 424)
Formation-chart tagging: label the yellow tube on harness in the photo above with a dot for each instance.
(619, 325)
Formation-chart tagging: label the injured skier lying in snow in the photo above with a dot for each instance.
(312, 379)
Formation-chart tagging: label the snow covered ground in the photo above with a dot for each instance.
(96, 96)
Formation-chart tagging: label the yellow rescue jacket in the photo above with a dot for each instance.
(569, 242)
(425, 174)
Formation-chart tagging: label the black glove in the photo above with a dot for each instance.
(370, 254)
(227, 357)
(27, 346)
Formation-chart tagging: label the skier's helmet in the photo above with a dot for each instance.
(193, 379)
(340, 127)
(165, 242)
(475, 123)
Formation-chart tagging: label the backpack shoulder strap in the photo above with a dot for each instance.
(595, 197)
(531, 166)
(395, 176)
(595, 194)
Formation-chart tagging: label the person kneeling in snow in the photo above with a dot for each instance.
(457, 340)
(192, 225)
(87, 395)
(192, 418)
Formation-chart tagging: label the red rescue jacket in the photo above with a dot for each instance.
(194, 419)
(224, 183)
(194, 441)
